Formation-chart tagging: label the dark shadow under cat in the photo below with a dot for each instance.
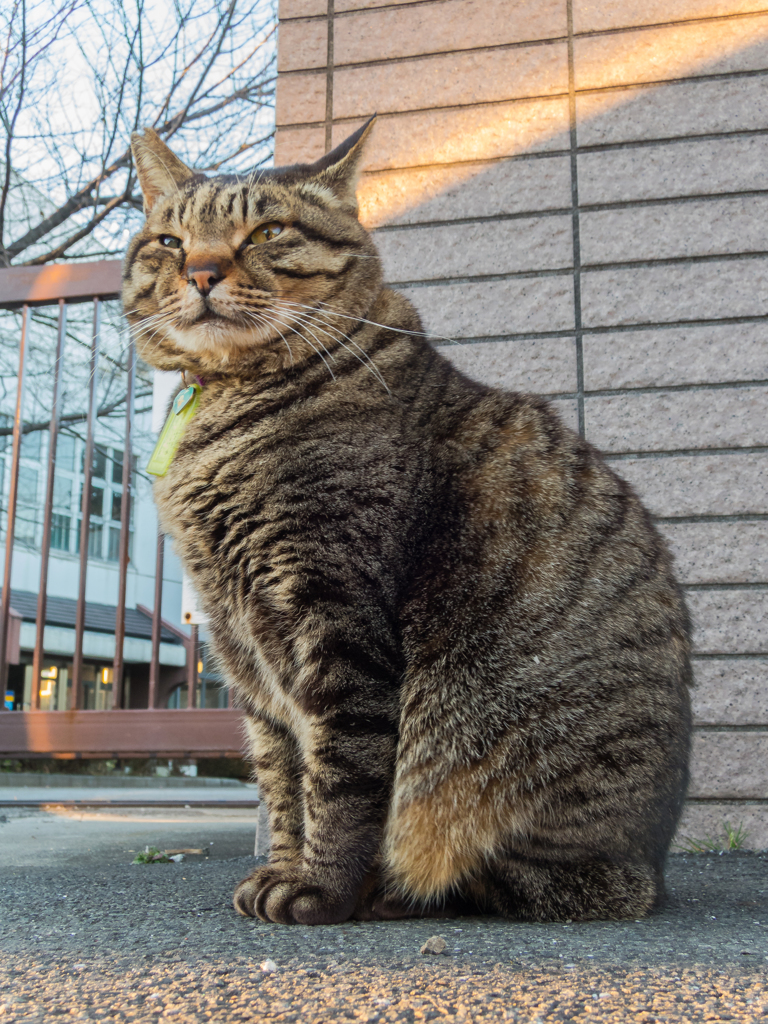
(456, 633)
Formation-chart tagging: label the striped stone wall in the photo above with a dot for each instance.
(576, 193)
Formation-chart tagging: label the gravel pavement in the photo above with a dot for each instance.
(87, 936)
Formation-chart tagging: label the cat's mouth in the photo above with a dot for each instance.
(213, 330)
(209, 317)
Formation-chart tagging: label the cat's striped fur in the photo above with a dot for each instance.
(464, 656)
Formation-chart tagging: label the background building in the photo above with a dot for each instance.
(105, 511)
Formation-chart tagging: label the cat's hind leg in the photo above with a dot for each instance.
(378, 902)
(532, 888)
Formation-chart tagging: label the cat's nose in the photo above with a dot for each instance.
(204, 276)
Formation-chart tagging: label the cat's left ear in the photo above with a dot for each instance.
(159, 170)
(339, 170)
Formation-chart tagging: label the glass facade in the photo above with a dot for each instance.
(56, 686)
(105, 499)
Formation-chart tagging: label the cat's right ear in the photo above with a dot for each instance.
(339, 170)
(158, 169)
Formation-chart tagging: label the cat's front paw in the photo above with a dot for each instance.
(288, 896)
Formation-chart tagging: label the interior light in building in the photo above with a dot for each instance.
(49, 675)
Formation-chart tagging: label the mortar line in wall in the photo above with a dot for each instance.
(660, 389)
(575, 223)
(674, 325)
(493, 218)
(408, 58)
(692, 197)
(584, 91)
(553, 396)
(598, 331)
(740, 15)
(576, 269)
(740, 517)
(329, 68)
(653, 83)
(548, 154)
(717, 588)
(671, 325)
(531, 213)
(698, 656)
(669, 140)
(477, 105)
(544, 154)
(519, 44)
(735, 16)
(589, 268)
(674, 453)
(727, 727)
(542, 97)
(698, 386)
(595, 147)
(482, 278)
(717, 257)
(720, 801)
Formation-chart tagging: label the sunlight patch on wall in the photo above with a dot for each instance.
(407, 150)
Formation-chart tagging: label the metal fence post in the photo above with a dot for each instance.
(45, 547)
(154, 665)
(85, 512)
(118, 665)
(10, 528)
(193, 653)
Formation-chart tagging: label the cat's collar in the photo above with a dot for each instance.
(195, 379)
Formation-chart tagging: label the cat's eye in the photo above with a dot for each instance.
(170, 241)
(265, 233)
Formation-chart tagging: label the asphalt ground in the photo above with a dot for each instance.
(85, 935)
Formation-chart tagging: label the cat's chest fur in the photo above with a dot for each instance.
(278, 503)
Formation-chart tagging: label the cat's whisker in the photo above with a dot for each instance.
(319, 318)
(269, 322)
(290, 327)
(146, 325)
(157, 321)
(374, 323)
(264, 322)
(365, 360)
(296, 318)
(253, 183)
(146, 333)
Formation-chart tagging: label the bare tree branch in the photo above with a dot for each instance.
(203, 74)
(12, 125)
(86, 230)
(77, 77)
(76, 417)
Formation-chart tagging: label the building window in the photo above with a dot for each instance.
(113, 552)
(211, 689)
(27, 507)
(60, 531)
(105, 500)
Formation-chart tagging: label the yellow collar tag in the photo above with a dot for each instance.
(183, 409)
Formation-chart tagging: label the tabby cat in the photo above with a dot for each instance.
(457, 636)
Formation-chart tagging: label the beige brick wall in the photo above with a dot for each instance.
(575, 192)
